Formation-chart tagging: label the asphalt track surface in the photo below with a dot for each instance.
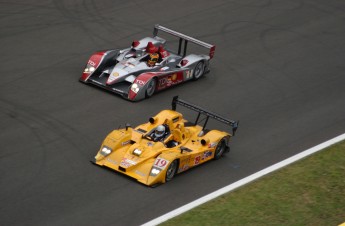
(278, 68)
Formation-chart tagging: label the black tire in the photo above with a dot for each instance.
(220, 149)
(198, 70)
(151, 87)
(171, 171)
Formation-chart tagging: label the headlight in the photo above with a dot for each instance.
(135, 88)
(105, 151)
(155, 172)
(137, 152)
(89, 69)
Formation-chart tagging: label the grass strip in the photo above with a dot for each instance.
(308, 192)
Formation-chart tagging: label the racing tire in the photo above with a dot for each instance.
(151, 87)
(198, 70)
(220, 149)
(171, 171)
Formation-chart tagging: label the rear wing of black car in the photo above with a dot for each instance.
(176, 101)
(186, 39)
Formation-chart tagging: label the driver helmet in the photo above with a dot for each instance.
(153, 59)
(160, 130)
(135, 43)
(150, 48)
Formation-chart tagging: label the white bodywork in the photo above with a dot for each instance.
(126, 67)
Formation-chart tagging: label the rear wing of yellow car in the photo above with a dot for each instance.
(176, 101)
(186, 39)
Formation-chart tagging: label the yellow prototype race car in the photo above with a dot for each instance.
(152, 153)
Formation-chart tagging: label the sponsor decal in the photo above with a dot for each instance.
(140, 173)
(197, 160)
(140, 82)
(117, 90)
(212, 145)
(183, 168)
(161, 163)
(189, 74)
(184, 165)
(91, 63)
(126, 142)
(206, 154)
(134, 159)
(116, 74)
(150, 144)
(127, 162)
(162, 82)
(112, 161)
(129, 63)
(172, 77)
(168, 81)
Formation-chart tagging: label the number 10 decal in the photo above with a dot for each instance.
(161, 163)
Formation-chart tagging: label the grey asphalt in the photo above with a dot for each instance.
(278, 68)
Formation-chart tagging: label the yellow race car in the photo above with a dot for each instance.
(152, 153)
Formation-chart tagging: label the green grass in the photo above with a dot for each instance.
(308, 192)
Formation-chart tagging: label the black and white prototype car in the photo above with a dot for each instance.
(148, 66)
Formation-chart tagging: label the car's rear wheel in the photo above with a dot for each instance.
(171, 171)
(198, 70)
(220, 149)
(151, 87)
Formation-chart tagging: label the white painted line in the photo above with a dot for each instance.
(244, 181)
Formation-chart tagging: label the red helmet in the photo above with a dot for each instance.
(135, 43)
(163, 52)
(150, 48)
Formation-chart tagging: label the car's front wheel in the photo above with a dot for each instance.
(151, 87)
(171, 171)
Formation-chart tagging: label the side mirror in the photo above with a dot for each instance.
(185, 149)
(205, 141)
(152, 120)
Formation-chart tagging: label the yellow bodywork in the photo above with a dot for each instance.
(128, 151)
